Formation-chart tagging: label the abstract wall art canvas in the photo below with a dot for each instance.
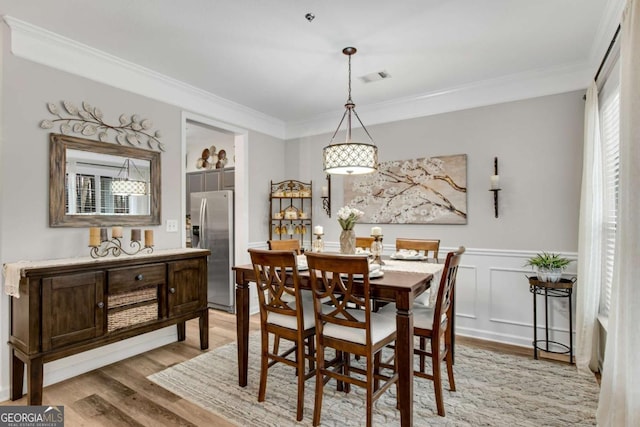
(429, 190)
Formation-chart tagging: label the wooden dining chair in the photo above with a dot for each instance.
(423, 246)
(287, 244)
(285, 315)
(364, 242)
(358, 331)
(438, 331)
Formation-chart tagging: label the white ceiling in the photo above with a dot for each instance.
(266, 56)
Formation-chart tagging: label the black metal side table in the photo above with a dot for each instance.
(561, 289)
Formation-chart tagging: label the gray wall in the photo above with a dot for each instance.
(25, 161)
(538, 143)
(266, 163)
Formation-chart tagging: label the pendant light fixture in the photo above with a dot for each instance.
(123, 185)
(350, 158)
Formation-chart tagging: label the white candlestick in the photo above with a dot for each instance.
(325, 192)
(318, 229)
(376, 231)
(495, 182)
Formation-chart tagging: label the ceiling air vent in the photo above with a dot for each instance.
(374, 77)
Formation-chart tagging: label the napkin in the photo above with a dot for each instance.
(406, 253)
(374, 270)
(301, 261)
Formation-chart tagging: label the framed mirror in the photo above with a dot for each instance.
(93, 183)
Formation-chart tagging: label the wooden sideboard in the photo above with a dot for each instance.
(68, 308)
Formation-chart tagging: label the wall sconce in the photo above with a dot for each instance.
(326, 196)
(495, 185)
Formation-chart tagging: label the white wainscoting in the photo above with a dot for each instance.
(493, 301)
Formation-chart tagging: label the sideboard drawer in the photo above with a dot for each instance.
(128, 278)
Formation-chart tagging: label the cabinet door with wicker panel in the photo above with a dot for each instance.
(135, 295)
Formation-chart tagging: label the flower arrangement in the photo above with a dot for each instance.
(347, 217)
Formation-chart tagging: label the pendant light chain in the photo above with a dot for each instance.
(349, 105)
(350, 157)
(349, 101)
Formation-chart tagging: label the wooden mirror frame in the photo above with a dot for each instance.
(59, 144)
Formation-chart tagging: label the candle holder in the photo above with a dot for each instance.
(318, 244)
(326, 200)
(376, 249)
(495, 189)
(115, 246)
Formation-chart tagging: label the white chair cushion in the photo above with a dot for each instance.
(291, 322)
(381, 327)
(422, 316)
(306, 294)
(424, 299)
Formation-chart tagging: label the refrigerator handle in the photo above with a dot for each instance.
(203, 204)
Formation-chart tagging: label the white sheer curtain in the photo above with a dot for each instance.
(619, 403)
(590, 238)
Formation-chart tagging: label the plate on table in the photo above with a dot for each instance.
(407, 257)
(372, 275)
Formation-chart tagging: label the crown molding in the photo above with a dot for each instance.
(53, 50)
(50, 49)
(530, 84)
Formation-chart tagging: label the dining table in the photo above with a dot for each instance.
(401, 285)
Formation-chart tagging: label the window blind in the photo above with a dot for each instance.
(610, 129)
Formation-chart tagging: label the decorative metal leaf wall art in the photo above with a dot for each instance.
(418, 191)
(89, 121)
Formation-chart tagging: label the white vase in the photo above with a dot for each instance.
(348, 242)
(552, 275)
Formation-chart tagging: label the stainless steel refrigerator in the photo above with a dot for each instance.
(212, 228)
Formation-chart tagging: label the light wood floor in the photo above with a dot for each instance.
(120, 394)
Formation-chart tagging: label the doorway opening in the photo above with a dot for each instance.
(225, 149)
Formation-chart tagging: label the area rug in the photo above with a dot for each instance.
(493, 389)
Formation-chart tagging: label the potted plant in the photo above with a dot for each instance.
(548, 266)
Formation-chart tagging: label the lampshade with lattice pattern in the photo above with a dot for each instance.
(127, 187)
(351, 158)
(122, 185)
